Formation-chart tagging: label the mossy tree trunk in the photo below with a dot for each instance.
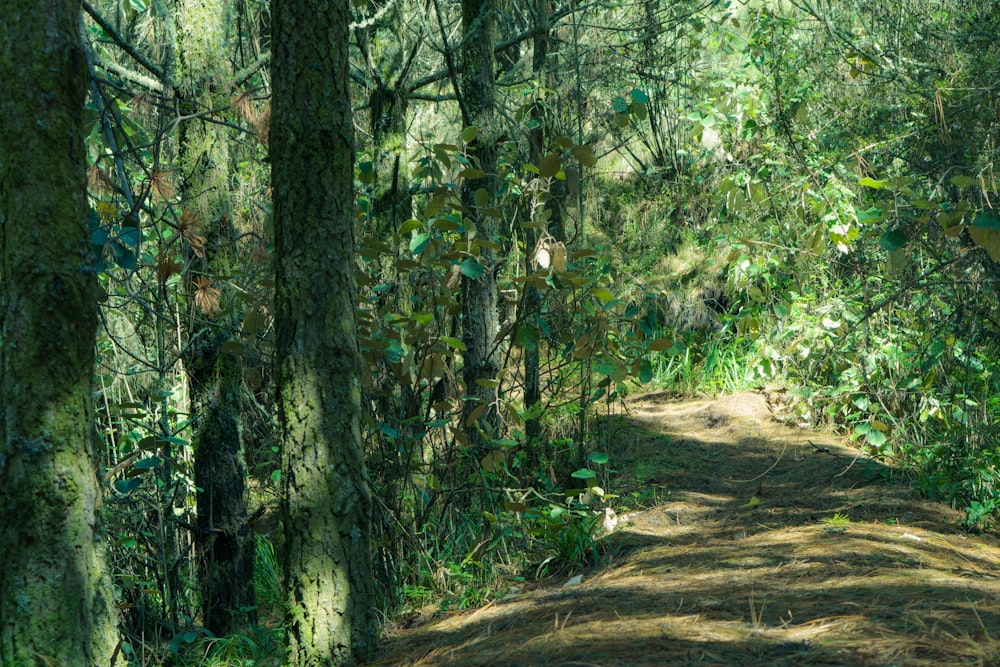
(479, 295)
(224, 541)
(55, 595)
(326, 508)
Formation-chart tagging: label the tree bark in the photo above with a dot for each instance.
(532, 302)
(56, 600)
(224, 541)
(539, 140)
(479, 295)
(326, 508)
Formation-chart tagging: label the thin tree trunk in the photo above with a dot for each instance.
(326, 508)
(479, 295)
(55, 593)
(532, 302)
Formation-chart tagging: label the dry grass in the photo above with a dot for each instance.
(712, 577)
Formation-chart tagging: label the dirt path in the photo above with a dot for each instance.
(743, 563)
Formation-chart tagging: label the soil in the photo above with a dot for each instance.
(742, 562)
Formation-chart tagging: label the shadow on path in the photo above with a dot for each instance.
(772, 546)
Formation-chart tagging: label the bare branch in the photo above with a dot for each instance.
(121, 41)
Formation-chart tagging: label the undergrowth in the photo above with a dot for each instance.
(905, 367)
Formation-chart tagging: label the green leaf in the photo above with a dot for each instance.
(875, 438)
(584, 473)
(600, 458)
(472, 173)
(469, 134)
(872, 183)
(410, 226)
(442, 151)
(419, 242)
(989, 239)
(181, 640)
(445, 224)
(127, 485)
(620, 105)
(585, 156)
(129, 235)
(986, 221)
(276, 475)
(645, 371)
(470, 268)
(527, 337)
(124, 257)
(639, 96)
(961, 181)
(148, 463)
(603, 293)
(138, 5)
(454, 343)
(436, 202)
(892, 240)
(481, 197)
(868, 216)
(550, 165)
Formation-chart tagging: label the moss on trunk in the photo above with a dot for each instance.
(224, 540)
(326, 508)
(56, 601)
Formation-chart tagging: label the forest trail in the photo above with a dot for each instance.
(743, 563)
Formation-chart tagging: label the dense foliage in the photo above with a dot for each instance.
(698, 196)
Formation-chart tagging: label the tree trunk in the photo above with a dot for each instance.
(479, 295)
(539, 138)
(326, 508)
(224, 541)
(56, 600)
(532, 302)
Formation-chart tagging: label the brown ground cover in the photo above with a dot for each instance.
(744, 562)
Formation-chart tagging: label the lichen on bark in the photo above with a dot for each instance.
(56, 602)
(330, 616)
